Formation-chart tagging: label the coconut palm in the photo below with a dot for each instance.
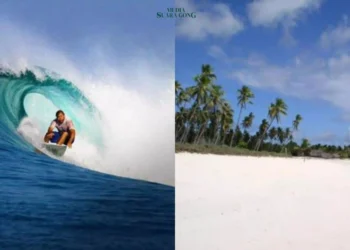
(244, 97)
(248, 121)
(280, 135)
(272, 134)
(263, 127)
(214, 107)
(182, 98)
(287, 135)
(199, 92)
(180, 120)
(296, 122)
(226, 120)
(305, 143)
(276, 110)
(178, 88)
(214, 102)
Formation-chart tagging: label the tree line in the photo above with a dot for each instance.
(203, 115)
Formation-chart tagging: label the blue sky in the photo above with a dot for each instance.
(76, 26)
(296, 50)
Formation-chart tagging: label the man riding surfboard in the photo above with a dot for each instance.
(66, 131)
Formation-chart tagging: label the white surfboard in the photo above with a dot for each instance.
(57, 150)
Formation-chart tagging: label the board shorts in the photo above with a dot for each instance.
(57, 136)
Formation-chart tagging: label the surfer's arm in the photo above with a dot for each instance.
(49, 134)
(51, 128)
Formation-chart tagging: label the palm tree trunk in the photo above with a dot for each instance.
(282, 148)
(270, 144)
(184, 124)
(178, 131)
(257, 146)
(196, 139)
(213, 131)
(224, 139)
(203, 129)
(217, 137)
(187, 130)
(232, 136)
(237, 126)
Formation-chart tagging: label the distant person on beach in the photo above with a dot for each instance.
(66, 131)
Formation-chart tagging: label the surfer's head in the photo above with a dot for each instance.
(60, 116)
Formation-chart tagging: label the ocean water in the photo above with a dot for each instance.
(78, 201)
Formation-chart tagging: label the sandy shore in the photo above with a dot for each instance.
(248, 203)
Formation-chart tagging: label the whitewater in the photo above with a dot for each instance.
(121, 110)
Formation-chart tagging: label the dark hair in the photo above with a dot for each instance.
(59, 112)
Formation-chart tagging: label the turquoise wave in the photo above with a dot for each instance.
(25, 95)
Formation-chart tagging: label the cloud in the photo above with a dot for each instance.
(271, 13)
(310, 78)
(343, 118)
(217, 52)
(336, 36)
(219, 22)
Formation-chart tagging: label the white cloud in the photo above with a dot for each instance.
(272, 12)
(338, 36)
(319, 78)
(217, 52)
(218, 22)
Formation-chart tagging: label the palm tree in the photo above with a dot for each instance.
(203, 121)
(178, 88)
(248, 121)
(226, 120)
(287, 134)
(215, 125)
(182, 97)
(272, 134)
(199, 93)
(214, 107)
(305, 143)
(207, 71)
(280, 135)
(180, 120)
(214, 102)
(275, 111)
(244, 97)
(296, 122)
(263, 127)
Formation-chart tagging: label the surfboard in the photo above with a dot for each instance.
(57, 150)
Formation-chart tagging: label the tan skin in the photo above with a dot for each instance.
(64, 135)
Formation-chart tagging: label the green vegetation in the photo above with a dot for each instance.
(205, 124)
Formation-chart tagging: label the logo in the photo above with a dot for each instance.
(176, 13)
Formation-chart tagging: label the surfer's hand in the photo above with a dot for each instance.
(69, 145)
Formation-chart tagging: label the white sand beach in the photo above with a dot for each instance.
(261, 203)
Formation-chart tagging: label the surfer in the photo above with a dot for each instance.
(66, 131)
